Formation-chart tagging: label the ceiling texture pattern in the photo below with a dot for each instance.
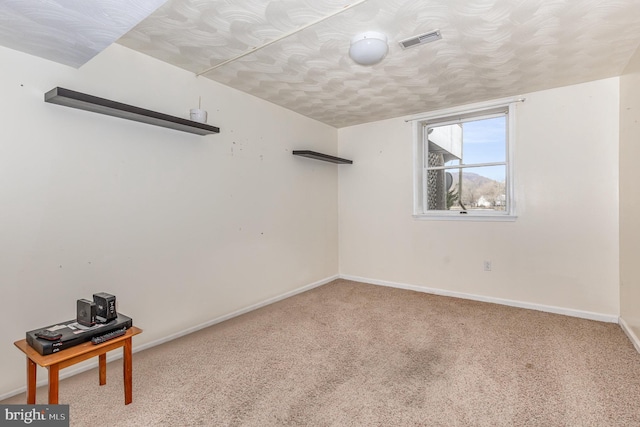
(70, 32)
(489, 49)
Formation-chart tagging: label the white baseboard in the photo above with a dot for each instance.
(601, 317)
(85, 366)
(236, 313)
(630, 334)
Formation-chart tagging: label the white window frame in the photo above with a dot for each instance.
(459, 115)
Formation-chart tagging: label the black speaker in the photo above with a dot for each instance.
(105, 307)
(86, 312)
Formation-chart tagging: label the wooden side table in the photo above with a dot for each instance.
(70, 356)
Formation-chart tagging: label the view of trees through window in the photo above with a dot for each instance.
(467, 165)
(478, 192)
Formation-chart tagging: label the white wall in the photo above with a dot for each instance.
(181, 228)
(630, 196)
(562, 251)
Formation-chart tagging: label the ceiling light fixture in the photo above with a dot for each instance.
(368, 48)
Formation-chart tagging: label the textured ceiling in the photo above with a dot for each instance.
(70, 32)
(490, 49)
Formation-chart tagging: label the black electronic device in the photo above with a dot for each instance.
(48, 335)
(99, 339)
(86, 312)
(73, 334)
(105, 307)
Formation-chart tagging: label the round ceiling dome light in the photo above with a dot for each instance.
(368, 48)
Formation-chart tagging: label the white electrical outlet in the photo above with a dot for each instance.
(487, 266)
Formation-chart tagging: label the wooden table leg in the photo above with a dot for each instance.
(31, 381)
(128, 371)
(54, 378)
(102, 363)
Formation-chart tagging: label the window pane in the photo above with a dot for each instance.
(485, 141)
(463, 164)
(482, 188)
(445, 145)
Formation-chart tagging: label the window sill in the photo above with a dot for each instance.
(465, 217)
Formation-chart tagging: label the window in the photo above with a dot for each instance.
(463, 167)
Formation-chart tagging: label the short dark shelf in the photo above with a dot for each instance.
(70, 98)
(320, 156)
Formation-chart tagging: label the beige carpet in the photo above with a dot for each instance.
(350, 354)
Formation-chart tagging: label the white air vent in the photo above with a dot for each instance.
(421, 39)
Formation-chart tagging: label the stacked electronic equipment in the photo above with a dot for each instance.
(96, 321)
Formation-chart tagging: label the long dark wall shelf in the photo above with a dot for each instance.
(70, 98)
(320, 156)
